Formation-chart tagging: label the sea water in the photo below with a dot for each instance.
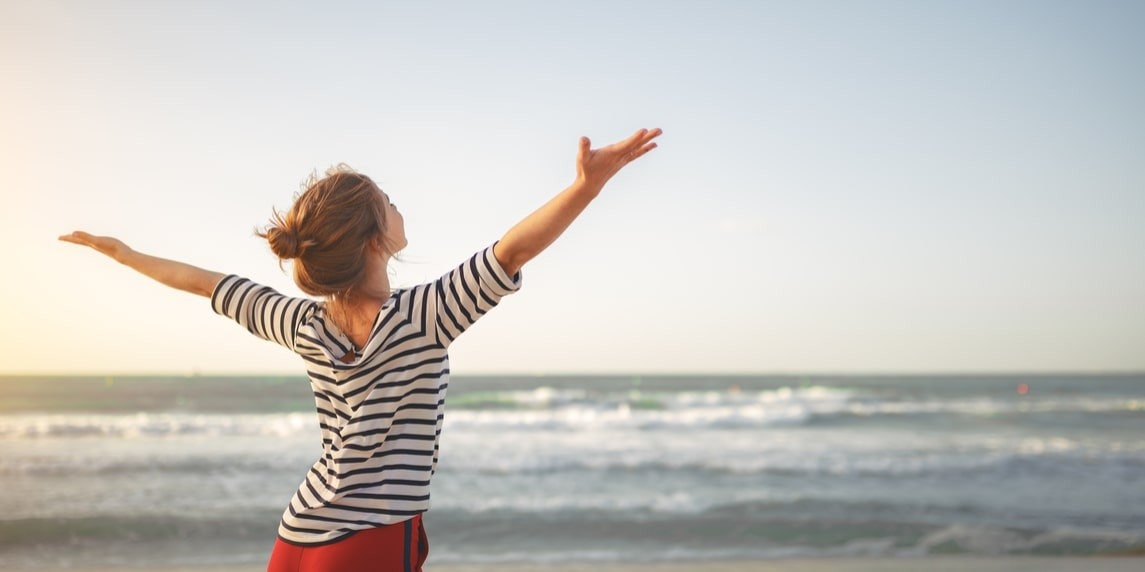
(196, 470)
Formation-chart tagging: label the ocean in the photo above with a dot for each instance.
(141, 471)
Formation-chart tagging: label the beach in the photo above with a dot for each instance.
(962, 564)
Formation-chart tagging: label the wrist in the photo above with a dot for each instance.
(124, 255)
(586, 187)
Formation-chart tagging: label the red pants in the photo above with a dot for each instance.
(400, 547)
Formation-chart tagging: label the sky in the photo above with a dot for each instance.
(852, 187)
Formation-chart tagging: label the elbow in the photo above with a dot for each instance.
(206, 286)
(513, 265)
(511, 259)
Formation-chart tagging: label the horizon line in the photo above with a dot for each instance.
(773, 373)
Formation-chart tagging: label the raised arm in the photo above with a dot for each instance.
(172, 273)
(594, 167)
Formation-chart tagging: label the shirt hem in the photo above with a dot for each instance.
(342, 537)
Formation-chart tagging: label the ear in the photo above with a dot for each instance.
(378, 246)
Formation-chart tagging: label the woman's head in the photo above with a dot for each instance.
(332, 230)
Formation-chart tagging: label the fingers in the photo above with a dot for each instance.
(632, 139)
(641, 151)
(639, 141)
(104, 244)
(635, 141)
(645, 135)
(583, 149)
(77, 237)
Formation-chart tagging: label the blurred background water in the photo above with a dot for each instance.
(196, 470)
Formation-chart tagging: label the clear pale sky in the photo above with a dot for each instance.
(841, 186)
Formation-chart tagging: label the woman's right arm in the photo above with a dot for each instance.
(170, 272)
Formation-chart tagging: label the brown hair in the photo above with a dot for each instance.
(327, 231)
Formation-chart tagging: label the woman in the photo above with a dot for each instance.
(377, 359)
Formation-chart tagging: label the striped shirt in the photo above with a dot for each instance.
(380, 415)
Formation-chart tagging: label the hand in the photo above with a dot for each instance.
(110, 246)
(596, 166)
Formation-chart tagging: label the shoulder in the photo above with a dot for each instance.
(235, 291)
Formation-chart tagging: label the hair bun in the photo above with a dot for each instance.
(284, 243)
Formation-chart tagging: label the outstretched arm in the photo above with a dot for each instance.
(594, 167)
(172, 273)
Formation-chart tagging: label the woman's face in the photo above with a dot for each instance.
(395, 235)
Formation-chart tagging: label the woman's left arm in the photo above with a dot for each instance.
(595, 167)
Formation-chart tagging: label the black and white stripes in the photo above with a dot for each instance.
(381, 414)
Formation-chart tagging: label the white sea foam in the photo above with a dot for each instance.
(992, 540)
(152, 425)
(547, 408)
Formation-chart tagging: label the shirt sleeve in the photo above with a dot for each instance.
(261, 310)
(469, 291)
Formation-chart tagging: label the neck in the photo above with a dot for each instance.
(354, 312)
